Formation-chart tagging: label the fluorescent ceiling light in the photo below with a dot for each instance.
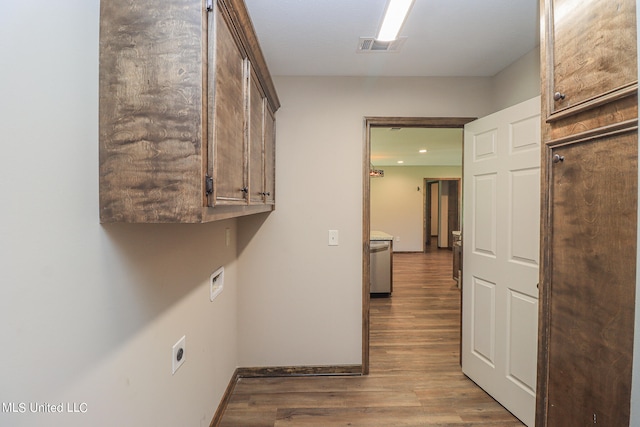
(394, 17)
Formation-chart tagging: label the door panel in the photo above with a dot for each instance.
(230, 145)
(484, 215)
(592, 289)
(483, 327)
(269, 155)
(588, 52)
(256, 141)
(501, 235)
(523, 239)
(521, 354)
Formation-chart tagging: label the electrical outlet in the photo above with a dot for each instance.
(178, 354)
(216, 281)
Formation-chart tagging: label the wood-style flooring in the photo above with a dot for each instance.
(415, 377)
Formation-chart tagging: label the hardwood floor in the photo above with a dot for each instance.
(415, 377)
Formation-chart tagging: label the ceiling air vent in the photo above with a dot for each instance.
(370, 44)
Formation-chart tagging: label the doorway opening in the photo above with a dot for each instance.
(389, 122)
(442, 201)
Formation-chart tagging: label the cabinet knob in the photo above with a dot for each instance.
(266, 194)
(558, 96)
(245, 190)
(558, 158)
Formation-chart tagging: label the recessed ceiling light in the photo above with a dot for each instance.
(400, 161)
(423, 151)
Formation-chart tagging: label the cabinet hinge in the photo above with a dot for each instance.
(209, 184)
(209, 5)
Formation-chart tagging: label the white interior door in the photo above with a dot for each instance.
(501, 234)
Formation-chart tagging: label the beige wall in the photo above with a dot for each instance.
(89, 312)
(300, 300)
(518, 82)
(397, 207)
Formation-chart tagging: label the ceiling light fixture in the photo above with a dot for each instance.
(394, 17)
(400, 162)
(422, 151)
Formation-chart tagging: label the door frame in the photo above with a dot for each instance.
(371, 122)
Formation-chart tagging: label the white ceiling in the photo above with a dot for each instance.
(390, 145)
(444, 37)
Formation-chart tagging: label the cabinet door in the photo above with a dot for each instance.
(229, 136)
(592, 281)
(587, 52)
(256, 141)
(589, 213)
(269, 155)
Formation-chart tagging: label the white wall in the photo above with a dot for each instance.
(89, 313)
(300, 300)
(397, 207)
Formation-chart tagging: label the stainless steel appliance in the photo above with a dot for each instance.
(380, 265)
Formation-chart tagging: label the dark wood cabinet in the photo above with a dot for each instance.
(589, 212)
(262, 146)
(588, 53)
(184, 95)
(256, 138)
(229, 168)
(269, 155)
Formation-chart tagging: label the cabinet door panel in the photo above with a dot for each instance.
(587, 53)
(256, 141)
(229, 117)
(592, 281)
(269, 156)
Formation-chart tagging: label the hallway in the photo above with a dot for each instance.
(415, 377)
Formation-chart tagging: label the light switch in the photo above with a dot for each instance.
(333, 237)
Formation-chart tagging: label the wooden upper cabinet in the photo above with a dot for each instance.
(587, 58)
(229, 115)
(269, 155)
(256, 140)
(176, 118)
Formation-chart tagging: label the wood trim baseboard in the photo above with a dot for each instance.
(279, 371)
(226, 397)
(299, 371)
